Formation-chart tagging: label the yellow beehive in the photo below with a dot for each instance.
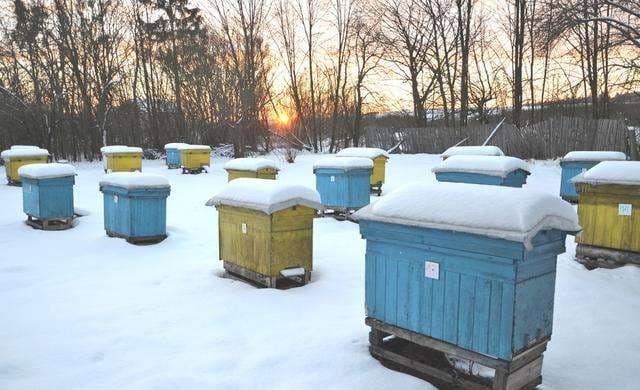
(265, 229)
(193, 158)
(609, 211)
(260, 168)
(21, 155)
(379, 158)
(119, 158)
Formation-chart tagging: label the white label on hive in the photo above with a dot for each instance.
(625, 209)
(115, 199)
(431, 270)
(244, 228)
(333, 178)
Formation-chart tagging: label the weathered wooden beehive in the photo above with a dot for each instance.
(468, 270)
(47, 195)
(577, 162)
(119, 158)
(135, 206)
(19, 156)
(379, 158)
(193, 158)
(256, 167)
(608, 207)
(172, 151)
(490, 170)
(265, 229)
(343, 183)
(485, 150)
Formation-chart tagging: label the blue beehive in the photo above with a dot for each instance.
(470, 265)
(172, 151)
(489, 170)
(47, 194)
(575, 163)
(343, 183)
(135, 206)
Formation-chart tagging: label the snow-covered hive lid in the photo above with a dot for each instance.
(46, 171)
(24, 147)
(268, 196)
(120, 149)
(498, 212)
(488, 165)
(472, 151)
(23, 152)
(584, 155)
(194, 147)
(344, 163)
(362, 152)
(134, 180)
(174, 145)
(252, 164)
(611, 172)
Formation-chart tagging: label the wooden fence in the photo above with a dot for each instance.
(543, 140)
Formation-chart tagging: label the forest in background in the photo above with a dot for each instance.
(78, 75)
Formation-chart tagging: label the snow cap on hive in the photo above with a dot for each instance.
(611, 172)
(268, 196)
(252, 164)
(46, 171)
(133, 180)
(472, 151)
(488, 165)
(362, 152)
(498, 212)
(23, 152)
(24, 147)
(345, 163)
(174, 145)
(194, 147)
(119, 149)
(583, 155)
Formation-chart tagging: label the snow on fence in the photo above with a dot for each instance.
(551, 138)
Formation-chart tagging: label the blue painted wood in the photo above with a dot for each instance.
(135, 213)
(517, 178)
(571, 169)
(48, 199)
(343, 189)
(492, 296)
(173, 158)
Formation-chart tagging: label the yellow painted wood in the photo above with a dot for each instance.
(601, 223)
(378, 173)
(266, 173)
(194, 158)
(271, 243)
(124, 162)
(12, 165)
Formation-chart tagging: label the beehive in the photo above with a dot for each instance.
(20, 156)
(577, 162)
(47, 194)
(608, 208)
(490, 170)
(265, 229)
(172, 151)
(343, 183)
(470, 265)
(379, 158)
(260, 168)
(485, 150)
(118, 158)
(135, 206)
(193, 158)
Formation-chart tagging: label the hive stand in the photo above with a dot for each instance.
(417, 355)
(146, 240)
(593, 257)
(376, 188)
(338, 214)
(192, 171)
(259, 279)
(49, 224)
(13, 183)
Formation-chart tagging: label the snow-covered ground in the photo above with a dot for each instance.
(79, 310)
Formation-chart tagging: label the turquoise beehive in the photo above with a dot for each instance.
(343, 183)
(47, 193)
(470, 265)
(135, 206)
(577, 162)
(489, 170)
(172, 151)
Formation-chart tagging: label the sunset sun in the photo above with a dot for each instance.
(283, 118)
